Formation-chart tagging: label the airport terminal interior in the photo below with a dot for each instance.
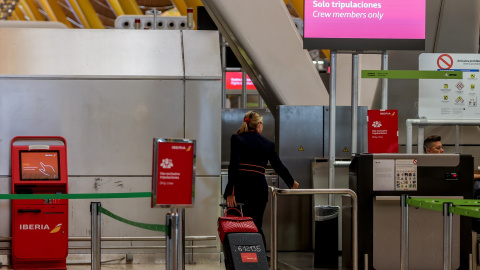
(116, 119)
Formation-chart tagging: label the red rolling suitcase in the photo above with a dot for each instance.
(242, 244)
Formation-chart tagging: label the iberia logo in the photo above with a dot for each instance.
(189, 147)
(57, 228)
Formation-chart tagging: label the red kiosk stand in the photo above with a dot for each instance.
(39, 226)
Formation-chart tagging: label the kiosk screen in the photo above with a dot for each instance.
(39, 165)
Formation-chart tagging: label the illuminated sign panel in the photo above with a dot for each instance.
(41, 165)
(364, 25)
(234, 81)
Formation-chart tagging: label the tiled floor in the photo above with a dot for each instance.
(141, 267)
(287, 261)
(213, 266)
(148, 267)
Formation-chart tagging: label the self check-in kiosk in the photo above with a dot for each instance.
(379, 180)
(39, 226)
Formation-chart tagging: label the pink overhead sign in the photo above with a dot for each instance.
(359, 19)
(356, 19)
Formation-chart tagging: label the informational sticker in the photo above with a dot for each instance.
(173, 173)
(249, 257)
(448, 99)
(383, 174)
(406, 174)
(382, 131)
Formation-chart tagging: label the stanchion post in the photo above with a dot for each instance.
(181, 239)
(96, 249)
(404, 233)
(332, 107)
(447, 236)
(354, 112)
(172, 240)
(273, 232)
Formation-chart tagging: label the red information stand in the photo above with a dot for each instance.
(173, 185)
(173, 173)
(39, 227)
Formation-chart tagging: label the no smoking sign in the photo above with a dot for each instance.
(444, 61)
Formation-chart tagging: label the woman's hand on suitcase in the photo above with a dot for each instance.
(231, 201)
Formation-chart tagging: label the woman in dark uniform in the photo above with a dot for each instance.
(249, 154)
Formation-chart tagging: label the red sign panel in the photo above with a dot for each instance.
(234, 81)
(249, 257)
(383, 131)
(173, 172)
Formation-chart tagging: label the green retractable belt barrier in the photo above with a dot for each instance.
(463, 207)
(152, 227)
(77, 196)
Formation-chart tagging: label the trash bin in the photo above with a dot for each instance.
(326, 236)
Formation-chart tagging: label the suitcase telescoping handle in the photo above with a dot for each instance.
(225, 206)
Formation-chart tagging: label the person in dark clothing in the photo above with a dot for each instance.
(249, 154)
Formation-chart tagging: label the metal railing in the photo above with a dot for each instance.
(280, 192)
(174, 232)
(426, 122)
(128, 239)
